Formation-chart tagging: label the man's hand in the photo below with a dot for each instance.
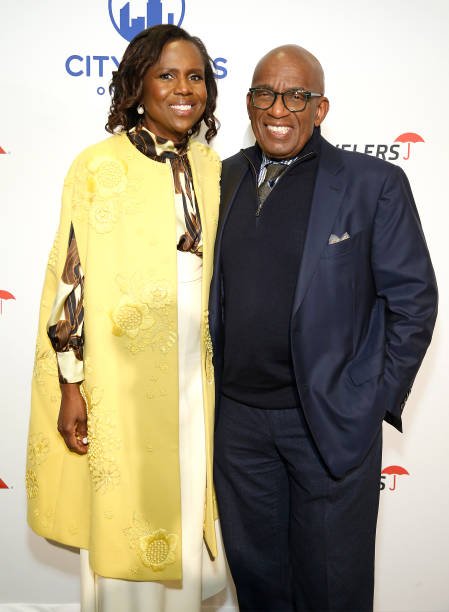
(72, 420)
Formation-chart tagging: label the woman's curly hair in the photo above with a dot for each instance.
(127, 81)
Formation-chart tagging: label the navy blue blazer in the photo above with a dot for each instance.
(364, 307)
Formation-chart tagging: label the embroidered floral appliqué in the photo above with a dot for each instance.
(102, 191)
(156, 548)
(208, 349)
(31, 484)
(144, 315)
(105, 475)
(103, 215)
(38, 447)
(155, 389)
(44, 518)
(108, 176)
(103, 443)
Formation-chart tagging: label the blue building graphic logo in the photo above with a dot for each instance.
(129, 24)
(129, 19)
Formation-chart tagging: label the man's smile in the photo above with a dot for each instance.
(279, 130)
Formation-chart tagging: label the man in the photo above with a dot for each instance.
(322, 306)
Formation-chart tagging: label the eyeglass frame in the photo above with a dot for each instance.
(305, 92)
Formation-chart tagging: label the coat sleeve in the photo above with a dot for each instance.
(57, 483)
(405, 279)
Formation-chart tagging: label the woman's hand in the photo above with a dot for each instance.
(72, 420)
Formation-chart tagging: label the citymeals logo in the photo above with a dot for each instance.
(390, 476)
(129, 19)
(129, 23)
(403, 144)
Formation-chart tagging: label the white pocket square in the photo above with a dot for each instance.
(333, 238)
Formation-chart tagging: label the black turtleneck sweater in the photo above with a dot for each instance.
(260, 258)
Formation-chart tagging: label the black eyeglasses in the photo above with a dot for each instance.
(294, 100)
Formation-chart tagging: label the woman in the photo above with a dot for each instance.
(124, 308)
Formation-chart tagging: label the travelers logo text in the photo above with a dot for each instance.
(400, 148)
(389, 477)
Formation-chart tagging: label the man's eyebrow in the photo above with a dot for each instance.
(293, 88)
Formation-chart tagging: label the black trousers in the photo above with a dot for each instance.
(296, 539)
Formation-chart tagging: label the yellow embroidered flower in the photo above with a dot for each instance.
(105, 475)
(155, 389)
(103, 443)
(103, 215)
(31, 484)
(130, 318)
(156, 295)
(47, 519)
(157, 550)
(38, 447)
(107, 176)
(145, 314)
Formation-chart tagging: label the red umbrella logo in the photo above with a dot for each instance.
(3, 484)
(5, 295)
(2, 151)
(395, 470)
(407, 138)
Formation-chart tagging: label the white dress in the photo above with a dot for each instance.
(202, 578)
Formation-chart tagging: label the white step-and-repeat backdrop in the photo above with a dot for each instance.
(387, 69)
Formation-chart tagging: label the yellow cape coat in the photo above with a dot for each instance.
(122, 500)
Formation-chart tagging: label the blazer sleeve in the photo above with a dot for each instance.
(405, 279)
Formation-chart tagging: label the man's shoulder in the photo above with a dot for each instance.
(238, 164)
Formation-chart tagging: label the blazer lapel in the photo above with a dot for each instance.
(232, 175)
(230, 184)
(326, 202)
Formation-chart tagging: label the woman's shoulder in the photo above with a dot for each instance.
(108, 146)
(108, 155)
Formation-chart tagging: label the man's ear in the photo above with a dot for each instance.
(248, 104)
(321, 111)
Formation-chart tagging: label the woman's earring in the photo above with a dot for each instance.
(140, 109)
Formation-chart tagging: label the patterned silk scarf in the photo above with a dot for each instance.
(165, 151)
